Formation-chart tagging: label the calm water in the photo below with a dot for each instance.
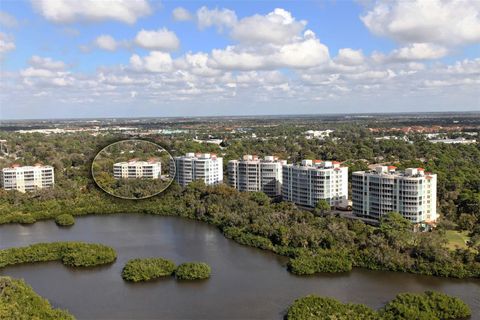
(246, 283)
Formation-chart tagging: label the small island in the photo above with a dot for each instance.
(65, 220)
(405, 306)
(73, 254)
(193, 271)
(136, 270)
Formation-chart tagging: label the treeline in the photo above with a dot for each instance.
(314, 243)
(405, 306)
(353, 143)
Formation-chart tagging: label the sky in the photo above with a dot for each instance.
(137, 58)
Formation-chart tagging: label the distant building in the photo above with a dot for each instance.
(312, 181)
(254, 174)
(151, 169)
(200, 166)
(27, 178)
(317, 134)
(412, 193)
(454, 141)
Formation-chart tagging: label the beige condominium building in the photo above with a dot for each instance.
(151, 169)
(197, 166)
(254, 174)
(27, 178)
(412, 192)
(313, 180)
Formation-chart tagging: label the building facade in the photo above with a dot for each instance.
(312, 181)
(197, 166)
(254, 174)
(27, 178)
(132, 169)
(412, 193)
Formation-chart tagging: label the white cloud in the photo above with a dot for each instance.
(36, 72)
(447, 23)
(155, 61)
(46, 63)
(66, 11)
(106, 42)
(219, 18)
(306, 52)
(6, 43)
(419, 51)
(197, 64)
(181, 14)
(161, 39)
(276, 27)
(7, 20)
(350, 57)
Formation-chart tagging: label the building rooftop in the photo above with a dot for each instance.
(392, 171)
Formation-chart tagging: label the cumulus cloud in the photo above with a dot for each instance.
(66, 11)
(220, 18)
(155, 61)
(6, 43)
(181, 14)
(304, 53)
(161, 39)
(106, 42)
(447, 23)
(276, 27)
(350, 57)
(7, 20)
(419, 51)
(46, 63)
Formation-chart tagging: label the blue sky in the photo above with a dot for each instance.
(65, 58)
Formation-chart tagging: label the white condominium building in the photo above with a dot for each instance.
(311, 181)
(151, 169)
(412, 193)
(197, 166)
(27, 178)
(254, 174)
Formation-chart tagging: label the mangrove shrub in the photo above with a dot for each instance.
(64, 220)
(18, 301)
(193, 271)
(74, 254)
(146, 269)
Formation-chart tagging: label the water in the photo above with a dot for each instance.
(246, 283)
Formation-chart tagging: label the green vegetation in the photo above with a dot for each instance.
(193, 271)
(313, 307)
(147, 269)
(18, 301)
(65, 220)
(320, 261)
(457, 239)
(406, 306)
(73, 254)
(429, 305)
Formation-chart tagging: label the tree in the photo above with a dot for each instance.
(322, 207)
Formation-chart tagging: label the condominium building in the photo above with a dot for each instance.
(197, 166)
(412, 193)
(27, 178)
(254, 174)
(312, 181)
(131, 169)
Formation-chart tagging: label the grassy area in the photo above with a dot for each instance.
(457, 239)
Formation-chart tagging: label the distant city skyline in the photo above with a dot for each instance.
(126, 58)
